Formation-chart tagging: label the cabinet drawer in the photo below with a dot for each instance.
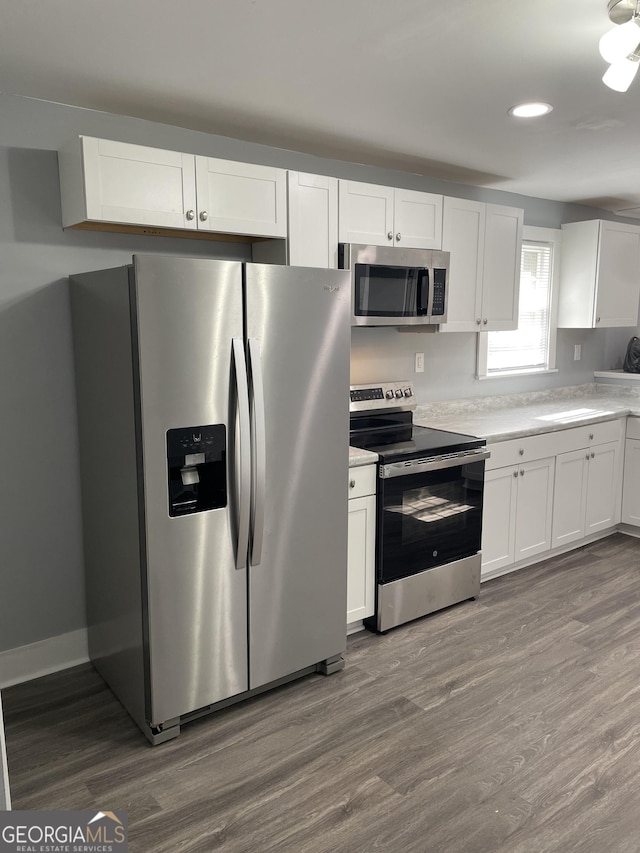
(362, 481)
(633, 427)
(584, 436)
(520, 450)
(525, 449)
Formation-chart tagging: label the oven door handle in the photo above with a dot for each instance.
(417, 466)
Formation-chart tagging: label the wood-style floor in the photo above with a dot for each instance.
(509, 724)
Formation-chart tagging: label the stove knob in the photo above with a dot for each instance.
(398, 393)
(407, 392)
(389, 395)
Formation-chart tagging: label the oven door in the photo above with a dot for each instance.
(428, 518)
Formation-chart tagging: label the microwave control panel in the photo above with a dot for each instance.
(382, 396)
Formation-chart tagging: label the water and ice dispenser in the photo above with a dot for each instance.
(197, 465)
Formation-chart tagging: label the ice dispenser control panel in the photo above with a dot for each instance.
(196, 461)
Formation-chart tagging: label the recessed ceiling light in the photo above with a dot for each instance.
(530, 110)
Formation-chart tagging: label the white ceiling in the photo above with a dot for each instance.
(420, 85)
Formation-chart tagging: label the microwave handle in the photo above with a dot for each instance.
(424, 293)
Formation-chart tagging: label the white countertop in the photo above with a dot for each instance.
(514, 416)
(359, 457)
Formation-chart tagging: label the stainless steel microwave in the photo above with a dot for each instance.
(396, 287)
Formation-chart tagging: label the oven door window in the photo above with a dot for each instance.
(429, 519)
(390, 291)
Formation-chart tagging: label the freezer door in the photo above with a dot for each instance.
(188, 313)
(299, 336)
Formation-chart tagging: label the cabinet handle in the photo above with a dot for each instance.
(590, 436)
(485, 321)
(522, 472)
(597, 319)
(398, 236)
(593, 455)
(191, 214)
(390, 235)
(352, 484)
(203, 215)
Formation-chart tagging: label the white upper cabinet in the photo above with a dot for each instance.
(241, 198)
(599, 275)
(313, 220)
(104, 182)
(485, 242)
(384, 216)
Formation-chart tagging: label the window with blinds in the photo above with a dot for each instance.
(527, 348)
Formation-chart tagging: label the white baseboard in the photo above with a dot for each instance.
(44, 657)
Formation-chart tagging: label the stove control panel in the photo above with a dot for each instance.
(382, 396)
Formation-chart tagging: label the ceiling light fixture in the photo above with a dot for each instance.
(530, 110)
(621, 46)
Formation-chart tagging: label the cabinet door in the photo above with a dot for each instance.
(631, 485)
(241, 198)
(569, 496)
(603, 488)
(534, 510)
(618, 288)
(501, 274)
(313, 220)
(365, 213)
(463, 224)
(137, 185)
(498, 518)
(361, 560)
(417, 220)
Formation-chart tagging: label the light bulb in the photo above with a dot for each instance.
(619, 75)
(619, 42)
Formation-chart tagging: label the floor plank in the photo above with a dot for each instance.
(508, 724)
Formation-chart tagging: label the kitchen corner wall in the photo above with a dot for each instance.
(42, 594)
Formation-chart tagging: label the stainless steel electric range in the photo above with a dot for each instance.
(429, 505)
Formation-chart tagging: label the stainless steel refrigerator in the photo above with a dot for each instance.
(213, 423)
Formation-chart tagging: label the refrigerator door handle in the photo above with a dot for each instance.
(244, 486)
(259, 451)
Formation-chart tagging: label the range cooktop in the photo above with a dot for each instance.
(382, 421)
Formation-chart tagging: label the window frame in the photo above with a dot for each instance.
(533, 234)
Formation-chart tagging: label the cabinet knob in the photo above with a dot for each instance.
(398, 236)
(522, 472)
(204, 215)
(593, 455)
(515, 473)
(485, 321)
(587, 457)
(590, 436)
(478, 322)
(191, 214)
(390, 235)
(521, 451)
(352, 484)
(597, 319)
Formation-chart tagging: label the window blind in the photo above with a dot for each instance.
(527, 348)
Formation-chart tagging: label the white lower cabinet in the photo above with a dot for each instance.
(587, 493)
(362, 538)
(517, 513)
(631, 484)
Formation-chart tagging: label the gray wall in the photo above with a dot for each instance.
(40, 528)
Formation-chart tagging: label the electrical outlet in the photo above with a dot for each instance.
(577, 352)
(419, 365)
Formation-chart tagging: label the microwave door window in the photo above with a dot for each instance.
(385, 291)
